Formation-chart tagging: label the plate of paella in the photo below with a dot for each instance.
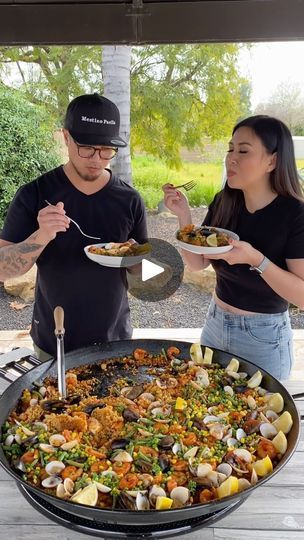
(117, 254)
(205, 240)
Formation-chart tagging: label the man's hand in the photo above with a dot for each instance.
(51, 220)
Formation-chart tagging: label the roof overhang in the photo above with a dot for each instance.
(152, 21)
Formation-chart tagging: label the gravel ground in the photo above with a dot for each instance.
(187, 307)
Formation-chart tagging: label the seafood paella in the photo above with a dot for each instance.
(189, 432)
(203, 236)
(121, 249)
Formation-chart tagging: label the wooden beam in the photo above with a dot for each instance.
(154, 21)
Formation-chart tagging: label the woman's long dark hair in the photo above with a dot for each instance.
(284, 179)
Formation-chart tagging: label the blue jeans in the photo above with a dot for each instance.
(264, 338)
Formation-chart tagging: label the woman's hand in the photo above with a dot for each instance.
(51, 220)
(242, 253)
(177, 203)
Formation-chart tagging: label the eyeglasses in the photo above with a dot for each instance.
(89, 151)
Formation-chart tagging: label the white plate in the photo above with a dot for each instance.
(202, 250)
(113, 261)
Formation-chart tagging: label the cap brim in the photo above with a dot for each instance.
(96, 140)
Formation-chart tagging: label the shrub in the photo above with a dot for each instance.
(27, 147)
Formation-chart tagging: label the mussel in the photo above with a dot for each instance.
(130, 415)
(119, 443)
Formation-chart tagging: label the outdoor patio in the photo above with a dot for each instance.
(274, 511)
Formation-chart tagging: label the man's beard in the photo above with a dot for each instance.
(88, 177)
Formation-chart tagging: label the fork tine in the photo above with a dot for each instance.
(189, 185)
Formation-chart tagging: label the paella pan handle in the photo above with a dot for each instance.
(299, 396)
(59, 333)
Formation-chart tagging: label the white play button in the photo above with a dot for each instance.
(150, 270)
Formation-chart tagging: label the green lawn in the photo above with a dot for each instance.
(149, 174)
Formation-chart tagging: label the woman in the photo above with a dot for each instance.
(255, 281)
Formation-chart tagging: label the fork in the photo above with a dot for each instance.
(187, 186)
(75, 223)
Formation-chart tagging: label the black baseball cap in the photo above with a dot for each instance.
(94, 119)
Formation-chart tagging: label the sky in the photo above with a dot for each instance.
(270, 64)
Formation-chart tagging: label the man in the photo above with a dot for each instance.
(94, 297)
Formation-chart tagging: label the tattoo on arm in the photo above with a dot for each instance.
(16, 259)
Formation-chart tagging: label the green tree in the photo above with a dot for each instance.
(182, 94)
(52, 75)
(27, 146)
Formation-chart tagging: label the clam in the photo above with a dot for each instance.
(40, 426)
(47, 448)
(216, 430)
(33, 402)
(57, 439)
(116, 444)
(271, 415)
(231, 442)
(224, 468)
(68, 485)
(166, 442)
(156, 491)
(123, 456)
(229, 390)
(142, 502)
(268, 430)
(147, 396)
(243, 484)
(54, 467)
(132, 392)
(69, 445)
(191, 452)
(233, 375)
(51, 482)
(209, 419)
(228, 435)
(202, 377)
(102, 488)
(251, 402)
(109, 472)
(243, 374)
(9, 440)
(162, 411)
(130, 416)
(254, 477)
(176, 448)
(146, 479)
(243, 454)
(240, 434)
(42, 390)
(180, 496)
(154, 404)
(61, 491)
(164, 462)
(203, 469)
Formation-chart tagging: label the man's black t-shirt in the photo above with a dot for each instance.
(94, 297)
(277, 230)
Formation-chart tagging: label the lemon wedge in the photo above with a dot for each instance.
(275, 403)
(208, 355)
(212, 240)
(180, 404)
(284, 422)
(233, 365)
(280, 442)
(196, 353)
(163, 503)
(263, 466)
(255, 380)
(88, 495)
(230, 486)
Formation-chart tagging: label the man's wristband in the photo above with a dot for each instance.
(260, 269)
